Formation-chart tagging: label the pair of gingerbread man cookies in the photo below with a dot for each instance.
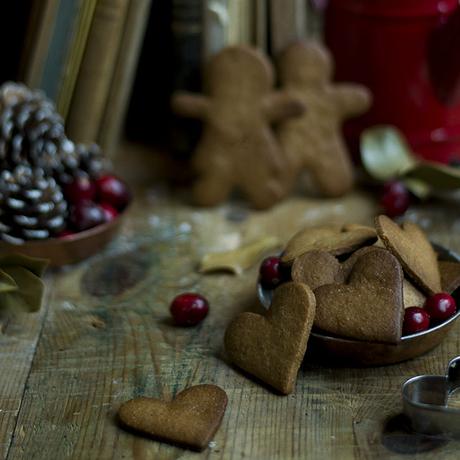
(258, 139)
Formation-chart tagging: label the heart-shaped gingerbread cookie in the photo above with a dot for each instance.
(271, 346)
(191, 419)
(412, 248)
(369, 306)
(317, 268)
(335, 239)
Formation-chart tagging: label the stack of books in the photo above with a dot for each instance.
(101, 59)
(83, 54)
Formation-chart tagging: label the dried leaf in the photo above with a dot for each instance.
(385, 154)
(21, 288)
(438, 176)
(34, 264)
(29, 293)
(239, 259)
(417, 187)
(7, 283)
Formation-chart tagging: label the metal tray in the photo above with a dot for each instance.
(363, 353)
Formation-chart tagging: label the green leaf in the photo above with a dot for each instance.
(29, 293)
(385, 154)
(34, 264)
(438, 176)
(417, 187)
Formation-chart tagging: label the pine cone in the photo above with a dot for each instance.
(12, 93)
(89, 161)
(92, 160)
(32, 206)
(31, 132)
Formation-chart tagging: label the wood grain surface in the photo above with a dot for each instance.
(104, 336)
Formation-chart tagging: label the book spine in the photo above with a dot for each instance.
(74, 57)
(287, 23)
(93, 82)
(260, 21)
(64, 32)
(187, 30)
(43, 20)
(188, 55)
(122, 81)
(245, 22)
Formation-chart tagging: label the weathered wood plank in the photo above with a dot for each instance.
(18, 340)
(108, 337)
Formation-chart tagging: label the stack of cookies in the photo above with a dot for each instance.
(350, 281)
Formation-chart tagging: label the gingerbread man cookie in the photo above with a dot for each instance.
(314, 141)
(238, 148)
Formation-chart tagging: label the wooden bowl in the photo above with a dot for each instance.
(363, 353)
(70, 249)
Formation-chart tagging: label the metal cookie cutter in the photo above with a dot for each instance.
(425, 400)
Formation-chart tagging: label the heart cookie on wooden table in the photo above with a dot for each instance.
(369, 306)
(271, 347)
(335, 239)
(411, 247)
(191, 419)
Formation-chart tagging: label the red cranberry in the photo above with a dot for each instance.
(270, 272)
(440, 306)
(112, 190)
(85, 215)
(416, 319)
(189, 309)
(110, 212)
(395, 199)
(81, 189)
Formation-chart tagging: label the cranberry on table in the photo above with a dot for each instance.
(416, 319)
(395, 199)
(86, 215)
(440, 306)
(270, 272)
(81, 189)
(113, 191)
(109, 211)
(189, 309)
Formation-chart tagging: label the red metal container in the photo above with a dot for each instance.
(408, 53)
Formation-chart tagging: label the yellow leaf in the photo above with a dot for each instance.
(238, 259)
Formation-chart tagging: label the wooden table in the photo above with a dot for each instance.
(104, 336)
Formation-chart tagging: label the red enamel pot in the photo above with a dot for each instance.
(407, 52)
